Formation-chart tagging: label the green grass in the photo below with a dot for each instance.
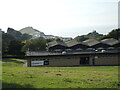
(17, 76)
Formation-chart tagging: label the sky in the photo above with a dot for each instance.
(66, 18)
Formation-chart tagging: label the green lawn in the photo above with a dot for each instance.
(17, 76)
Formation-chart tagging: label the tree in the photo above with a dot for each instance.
(49, 40)
(14, 33)
(18, 35)
(59, 39)
(4, 47)
(25, 37)
(14, 47)
(35, 44)
(113, 34)
(81, 38)
(6, 38)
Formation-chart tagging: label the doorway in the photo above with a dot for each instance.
(84, 60)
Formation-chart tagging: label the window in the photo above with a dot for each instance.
(46, 62)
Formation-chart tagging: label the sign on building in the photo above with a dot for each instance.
(37, 63)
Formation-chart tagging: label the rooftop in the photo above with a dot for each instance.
(91, 42)
(74, 42)
(110, 41)
(53, 43)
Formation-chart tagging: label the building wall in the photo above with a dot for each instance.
(74, 60)
(106, 60)
(58, 60)
(64, 61)
(91, 57)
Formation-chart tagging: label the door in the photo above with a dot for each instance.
(84, 60)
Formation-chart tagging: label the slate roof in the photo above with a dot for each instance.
(110, 41)
(91, 42)
(73, 43)
(54, 43)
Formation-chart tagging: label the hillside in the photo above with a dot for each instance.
(91, 35)
(115, 33)
(29, 32)
(17, 35)
(33, 32)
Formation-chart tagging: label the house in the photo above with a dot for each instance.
(78, 54)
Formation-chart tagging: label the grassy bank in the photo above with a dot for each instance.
(17, 76)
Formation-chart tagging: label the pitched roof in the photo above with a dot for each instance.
(110, 41)
(91, 42)
(73, 42)
(54, 43)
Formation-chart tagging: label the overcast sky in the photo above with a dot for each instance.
(67, 18)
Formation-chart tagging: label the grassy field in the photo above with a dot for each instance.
(17, 76)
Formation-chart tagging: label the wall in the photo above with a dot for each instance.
(64, 61)
(74, 60)
(58, 60)
(107, 60)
